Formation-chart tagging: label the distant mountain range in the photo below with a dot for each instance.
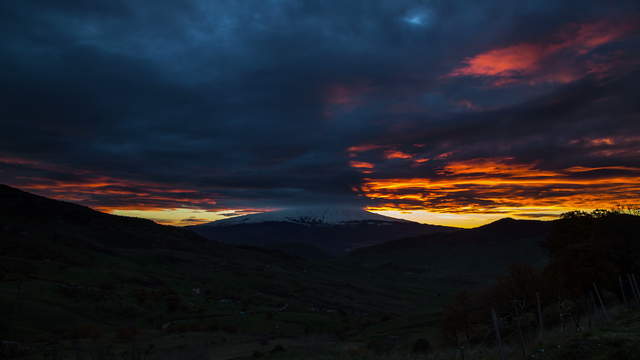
(313, 231)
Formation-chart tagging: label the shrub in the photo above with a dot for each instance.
(276, 349)
(421, 346)
(127, 334)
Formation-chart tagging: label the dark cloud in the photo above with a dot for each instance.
(254, 104)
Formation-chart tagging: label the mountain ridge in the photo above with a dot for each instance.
(309, 216)
(332, 231)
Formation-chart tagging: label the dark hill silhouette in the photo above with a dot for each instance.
(511, 226)
(30, 215)
(65, 266)
(467, 254)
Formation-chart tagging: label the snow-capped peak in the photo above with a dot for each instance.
(309, 216)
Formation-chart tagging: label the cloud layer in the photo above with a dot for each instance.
(484, 107)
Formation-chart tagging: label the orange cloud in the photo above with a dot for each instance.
(395, 154)
(18, 161)
(355, 150)
(524, 62)
(503, 62)
(420, 161)
(606, 141)
(502, 186)
(602, 141)
(483, 166)
(444, 155)
(104, 193)
(579, 169)
(618, 146)
(361, 165)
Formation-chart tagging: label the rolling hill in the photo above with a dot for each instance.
(73, 276)
(68, 272)
(465, 255)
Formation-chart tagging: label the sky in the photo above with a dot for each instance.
(446, 112)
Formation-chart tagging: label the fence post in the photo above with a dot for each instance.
(517, 317)
(494, 317)
(624, 295)
(604, 310)
(633, 289)
(540, 323)
(635, 285)
(594, 306)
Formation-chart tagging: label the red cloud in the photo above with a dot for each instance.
(525, 62)
(363, 148)
(395, 154)
(361, 165)
(419, 161)
(503, 62)
(104, 193)
(344, 97)
(467, 104)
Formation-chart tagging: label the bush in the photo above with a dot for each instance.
(382, 345)
(276, 349)
(421, 346)
(87, 331)
(127, 334)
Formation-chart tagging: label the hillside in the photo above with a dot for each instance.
(467, 255)
(30, 216)
(68, 272)
(71, 275)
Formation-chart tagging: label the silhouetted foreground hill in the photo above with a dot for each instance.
(68, 272)
(80, 279)
(30, 215)
(473, 255)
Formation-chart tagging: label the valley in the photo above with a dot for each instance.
(79, 283)
(71, 273)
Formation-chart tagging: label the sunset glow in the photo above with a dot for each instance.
(527, 62)
(479, 189)
(434, 111)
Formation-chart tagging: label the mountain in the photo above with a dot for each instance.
(310, 216)
(313, 230)
(69, 272)
(465, 255)
(35, 216)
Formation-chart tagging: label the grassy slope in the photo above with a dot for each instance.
(68, 271)
(618, 339)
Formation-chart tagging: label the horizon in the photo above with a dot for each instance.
(442, 219)
(160, 218)
(454, 220)
(446, 113)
